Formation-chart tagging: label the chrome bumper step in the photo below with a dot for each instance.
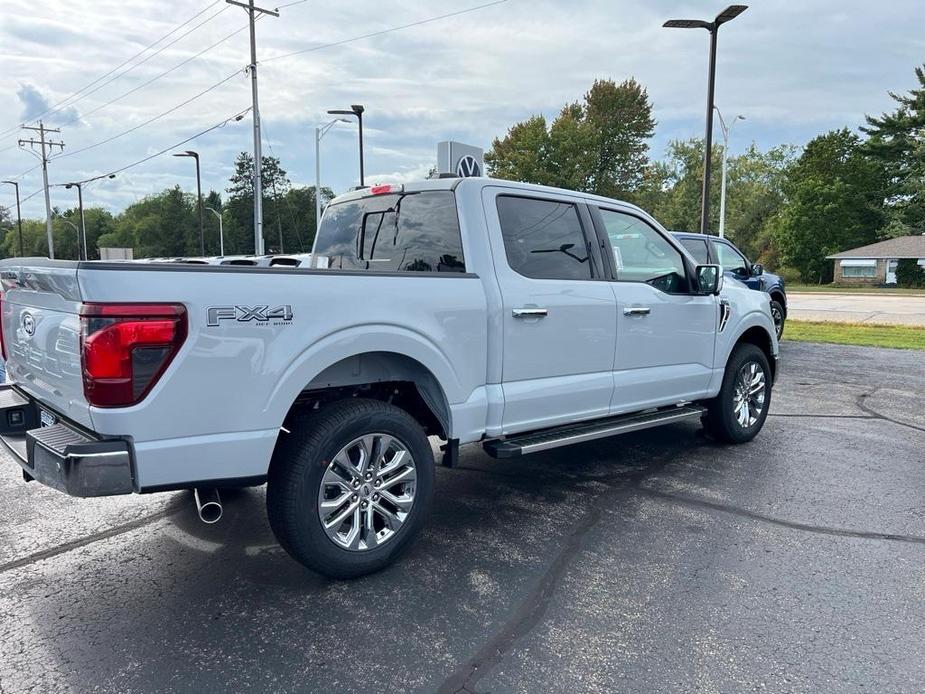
(523, 444)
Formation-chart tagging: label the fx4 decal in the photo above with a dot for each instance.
(245, 314)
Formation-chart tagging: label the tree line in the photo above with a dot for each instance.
(166, 224)
(785, 207)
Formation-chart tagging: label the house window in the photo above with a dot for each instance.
(859, 271)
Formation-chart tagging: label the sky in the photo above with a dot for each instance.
(793, 68)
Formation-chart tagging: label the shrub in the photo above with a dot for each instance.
(909, 273)
(790, 274)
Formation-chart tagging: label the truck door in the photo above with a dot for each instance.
(558, 320)
(665, 333)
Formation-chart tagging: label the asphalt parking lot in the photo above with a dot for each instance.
(655, 562)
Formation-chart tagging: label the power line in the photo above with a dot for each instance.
(151, 120)
(156, 77)
(56, 106)
(141, 62)
(233, 118)
(385, 31)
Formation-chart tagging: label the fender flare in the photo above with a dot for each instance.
(355, 341)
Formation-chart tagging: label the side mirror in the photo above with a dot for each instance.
(709, 279)
(757, 270)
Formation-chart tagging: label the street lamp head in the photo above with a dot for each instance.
(68, 186)
(687, 24)
(111, 176)
(730, 13)
(740, 117)
(187, 153)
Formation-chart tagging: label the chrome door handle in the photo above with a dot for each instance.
(529, 312)
(636, 310)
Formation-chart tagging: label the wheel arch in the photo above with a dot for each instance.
(758, 336)
(372, 361)
(778, 295)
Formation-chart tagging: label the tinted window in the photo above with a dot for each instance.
(543, 239)
(730, 258)
(697, 248)
(395, 233)
(641, 254)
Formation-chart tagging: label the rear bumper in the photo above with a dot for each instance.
(61, 456)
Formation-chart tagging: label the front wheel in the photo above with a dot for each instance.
(777, 313)
(350, 488)
(738, 413)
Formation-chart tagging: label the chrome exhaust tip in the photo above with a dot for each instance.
(208, 505)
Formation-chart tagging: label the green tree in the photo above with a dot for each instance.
(835, 202)
(619, 118)
(598, 145)
(909, 273)
(897, 141)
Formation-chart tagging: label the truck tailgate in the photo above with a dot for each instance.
(41, 332)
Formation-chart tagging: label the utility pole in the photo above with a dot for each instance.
(252, 12)
(46, 146)
(15, 184)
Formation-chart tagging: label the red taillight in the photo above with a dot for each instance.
(126, 347)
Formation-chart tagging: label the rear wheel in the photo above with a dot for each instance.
(738, 413)
(349, 490)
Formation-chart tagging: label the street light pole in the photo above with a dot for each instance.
(221, 233)
(74, 227)
(320, 132)
(80, 204)
(357, 111)
(722, 191)
(15, 184)
(726, 15)
(202, 236)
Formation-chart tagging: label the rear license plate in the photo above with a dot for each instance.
(47, 419)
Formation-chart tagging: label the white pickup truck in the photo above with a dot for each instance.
(473, 310)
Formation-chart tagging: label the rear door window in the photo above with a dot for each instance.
(543, 239)
(412, 232)
(697, 248)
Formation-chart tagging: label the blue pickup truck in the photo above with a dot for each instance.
(712, 249)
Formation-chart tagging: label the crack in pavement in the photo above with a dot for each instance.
(88, 540)
(698, 502)
(878, 415)
(533, 607)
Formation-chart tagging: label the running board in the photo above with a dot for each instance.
(515, 446)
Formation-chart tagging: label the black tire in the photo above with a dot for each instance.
(779, 316)
(721, 421)
(299, 464)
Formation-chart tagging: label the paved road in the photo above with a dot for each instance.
(658, 562)
(890, 309)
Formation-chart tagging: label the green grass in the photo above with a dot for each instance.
(853, 290)
(895, 336)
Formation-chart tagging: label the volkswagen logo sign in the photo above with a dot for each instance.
(468, 166)
(28, 324)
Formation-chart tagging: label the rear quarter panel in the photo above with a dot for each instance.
(216, 411)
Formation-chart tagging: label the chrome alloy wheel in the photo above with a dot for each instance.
(749, 396)
(367, 492)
